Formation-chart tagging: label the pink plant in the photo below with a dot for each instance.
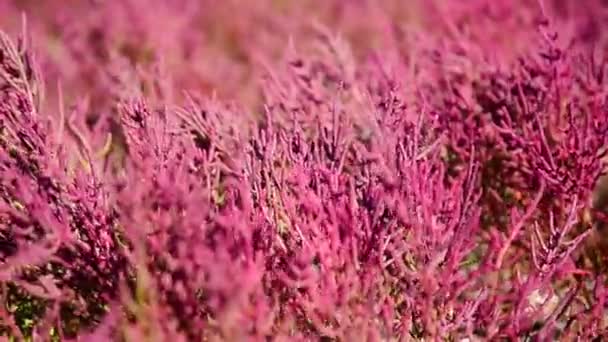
(422, 182)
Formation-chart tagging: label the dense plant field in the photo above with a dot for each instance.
(340, 170)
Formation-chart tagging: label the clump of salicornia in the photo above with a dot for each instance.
(428, 190)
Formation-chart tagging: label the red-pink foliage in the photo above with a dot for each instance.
(393, 183)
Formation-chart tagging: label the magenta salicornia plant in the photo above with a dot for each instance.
(428, 173)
